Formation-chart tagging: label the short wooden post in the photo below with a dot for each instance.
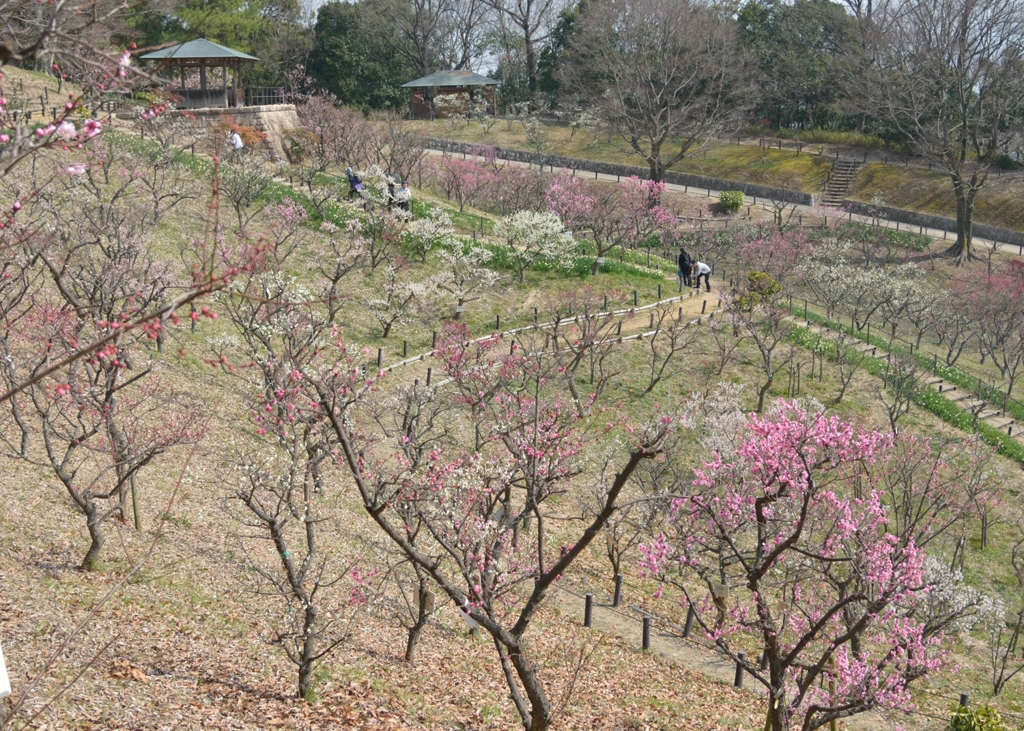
(380, 356)
(405, 348)
(764, 660)
(963, 700)
(646, 643)
(659, 291)
(135, 505)
(690, 615)
(433, 340)
(738, 679)
(429, 373)
(636, 298)
(617, 597)
(588, 610)
(703, 306)
(497, 322)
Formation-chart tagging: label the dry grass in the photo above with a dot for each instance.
(188, 631)
(997, 204)
(781, 168)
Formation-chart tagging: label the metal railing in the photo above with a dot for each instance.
(257, 96)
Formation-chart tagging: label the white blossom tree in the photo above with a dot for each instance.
(464, 276)
(532, 235)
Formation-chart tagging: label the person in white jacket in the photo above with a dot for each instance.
(403, 196)
(236, 142)
(700, 269)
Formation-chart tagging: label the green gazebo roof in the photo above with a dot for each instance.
(451, 78)
(199, 48)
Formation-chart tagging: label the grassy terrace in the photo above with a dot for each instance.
(913, 188)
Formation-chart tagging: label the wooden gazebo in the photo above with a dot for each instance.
(465, 86)
(202, 55)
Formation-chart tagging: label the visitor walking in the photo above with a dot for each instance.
(403, 196)
(685, 267)
(702, 270)
(236, 142)
(355, 184)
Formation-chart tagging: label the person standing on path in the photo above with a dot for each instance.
(403, 196)
(685, 267)
(702, 270)
(236, 142)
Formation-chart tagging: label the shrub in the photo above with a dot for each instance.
(251, 136)
(730, 201)
(977, 718)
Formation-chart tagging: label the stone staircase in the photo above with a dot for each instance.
(991, 415)
(985, 412)
(838, 185)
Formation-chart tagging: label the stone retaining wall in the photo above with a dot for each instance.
(941, 223)
(274, 120)
(698, 182)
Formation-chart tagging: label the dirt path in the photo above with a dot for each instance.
(626, 622)
(634, 323)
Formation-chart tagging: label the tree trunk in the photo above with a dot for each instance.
(417, 629)
(761, 394)
(962, 250)
(531, 67)
(654, 162)
(305, 677)
(89, 563)
(540, 706)
(308, 648)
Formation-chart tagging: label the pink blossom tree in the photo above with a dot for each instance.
(615, 216)
(478, 506)
(775, 253)
(460, 180)
(511, 188)
(810, 540)
(998, 307)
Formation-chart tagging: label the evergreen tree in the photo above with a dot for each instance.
(353, 64)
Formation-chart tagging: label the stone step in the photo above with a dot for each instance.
(956, 396)
(933, 380)
(949, 388)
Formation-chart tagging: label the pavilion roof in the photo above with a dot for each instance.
(197, 49)
(451, 78)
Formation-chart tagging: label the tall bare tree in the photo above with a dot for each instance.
(950, 75)
(665, 74)
(532, 21)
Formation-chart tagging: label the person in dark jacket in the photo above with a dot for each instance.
(685, 267)
(355, 184)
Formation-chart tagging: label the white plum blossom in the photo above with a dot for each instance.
(532, 235)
